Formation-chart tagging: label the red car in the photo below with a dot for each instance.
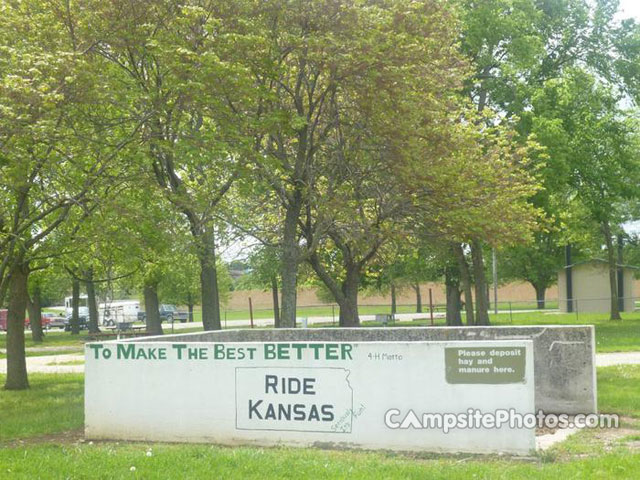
(45, 320)
(3, 320)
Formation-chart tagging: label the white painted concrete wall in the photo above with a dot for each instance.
(207, 399)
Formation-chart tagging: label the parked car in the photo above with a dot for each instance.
(82, 321)
(168, 313)
(45, 320)
(3, 320)
(57, 321)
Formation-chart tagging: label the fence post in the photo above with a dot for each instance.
(431, 306)
(225, 318)
(510, 312)
(333, 314)
(251, 312)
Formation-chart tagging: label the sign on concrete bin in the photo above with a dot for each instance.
(387, 395)
(564, 355)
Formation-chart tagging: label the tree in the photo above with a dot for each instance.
(151, 279)
(359, 219)
(458, 196)
(180, 284)
(517, 46)
(180, 66)
(47, 286)
(536, 262)
(320, 59)
(580, 122)
(34, 307)
(465, 280)
(405, 264)
(46, 175)
(452, 290)
(39, 290)
(264, 264)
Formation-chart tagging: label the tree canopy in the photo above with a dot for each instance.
(360, 143)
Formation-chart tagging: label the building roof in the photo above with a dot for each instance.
(600, 260)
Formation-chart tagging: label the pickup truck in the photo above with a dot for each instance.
(168, 313)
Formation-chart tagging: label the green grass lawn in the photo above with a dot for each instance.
(611, 336)
(332, 311)
(315, 311)
(120, 461)
(71, 350)
(619, 390)
(54, 405)
(52, 338)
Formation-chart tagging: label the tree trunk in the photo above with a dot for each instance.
(209, 282)
(289, 264)
(482, 307)
(349, 301)
(394, 306)
(92, 302)
(34, 306)
(452, 287)
(416, 287)
(75, 306)
(190, 306)
(488, 297)
(465, 278)
(276, 305)
(613, 271)
(151, 307)
(620, 270)
(17, 378)
(4, 286)
(540, 293)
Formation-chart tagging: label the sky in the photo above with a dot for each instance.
(630, 8)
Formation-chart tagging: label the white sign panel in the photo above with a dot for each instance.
(295, 399)
(430, 396)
